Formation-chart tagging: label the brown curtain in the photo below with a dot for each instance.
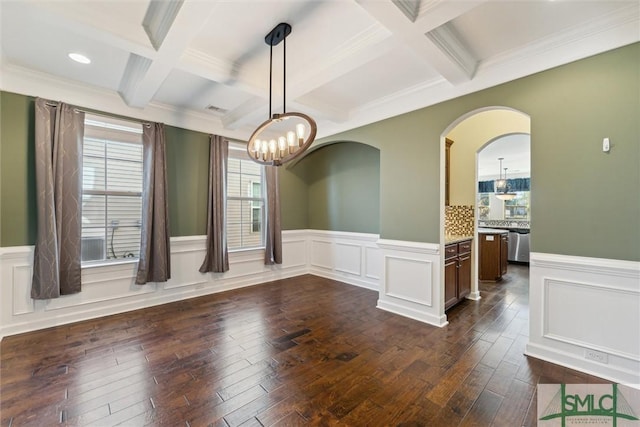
(217, 257)
(273, 244)
(155, 263)
(58, 154)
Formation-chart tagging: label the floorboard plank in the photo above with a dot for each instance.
(300, 351)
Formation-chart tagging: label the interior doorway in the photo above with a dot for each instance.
(470, 134)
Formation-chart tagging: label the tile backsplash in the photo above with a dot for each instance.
(459, 220)
(503, 223)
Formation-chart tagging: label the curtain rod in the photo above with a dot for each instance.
(111, 116)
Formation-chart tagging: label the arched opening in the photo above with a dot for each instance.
(465, 138)
(341, 183)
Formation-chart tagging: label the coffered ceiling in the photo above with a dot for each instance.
(204, 65)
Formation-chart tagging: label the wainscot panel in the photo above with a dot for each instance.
(107, 289)
(352, 258)
(412, 285)
(585, 315)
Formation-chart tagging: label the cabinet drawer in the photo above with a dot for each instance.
(451, 251)
(464, 247)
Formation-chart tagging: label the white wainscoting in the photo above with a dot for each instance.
(586, 308)
(353, 258)
(412, 281)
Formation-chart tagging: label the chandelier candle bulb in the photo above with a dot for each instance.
(282, 146)
(300, 132)
(291, 140)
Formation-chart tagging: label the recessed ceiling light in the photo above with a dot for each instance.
(78, 57)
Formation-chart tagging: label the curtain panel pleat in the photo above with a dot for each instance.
(217, 257)
(154, 264)
(273, 243)
(59, 130)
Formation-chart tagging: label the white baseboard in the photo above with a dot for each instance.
(585, 314)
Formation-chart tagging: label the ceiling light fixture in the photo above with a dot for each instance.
(502, 185)
(78, 57)
(283, 137)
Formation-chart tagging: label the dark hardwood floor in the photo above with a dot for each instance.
(301, 351)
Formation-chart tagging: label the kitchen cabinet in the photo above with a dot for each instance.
(457, 272)
(494, 250)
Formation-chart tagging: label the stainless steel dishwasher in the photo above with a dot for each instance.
(518, 245)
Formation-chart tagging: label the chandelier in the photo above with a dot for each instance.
(285, 136)
(502, 185)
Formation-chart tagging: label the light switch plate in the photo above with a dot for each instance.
(606, 146)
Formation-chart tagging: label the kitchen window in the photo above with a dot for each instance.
(245, 200)
(111, 189)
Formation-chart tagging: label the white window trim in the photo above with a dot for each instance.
(117, 125)
(238, 150)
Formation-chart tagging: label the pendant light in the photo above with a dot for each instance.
(285, 136)
(502, 185)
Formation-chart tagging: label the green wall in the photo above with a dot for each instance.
(585, 202)
(342, 188)
(188, 180)
(17, 176)
(187, 168)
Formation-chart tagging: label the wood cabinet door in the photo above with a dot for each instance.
(489, 257)
(464, 275)
(450, 282)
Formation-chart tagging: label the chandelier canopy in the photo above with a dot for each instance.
(285, 136)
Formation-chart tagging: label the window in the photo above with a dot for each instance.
(111, 189)
(517, 208)
(245, 200)
(492, 208)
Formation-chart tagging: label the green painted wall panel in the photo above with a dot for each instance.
(584, 202)
(187, 168)
(17, 176)
(343, 187)
(293, 202)
(188, 180)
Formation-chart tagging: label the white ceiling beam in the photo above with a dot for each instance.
(435, 13)
(218, 70)
(395, 20)
(354, 53)
(138, 89)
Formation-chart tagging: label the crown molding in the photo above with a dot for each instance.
(624, 20)
(24, 81)
(445, 38)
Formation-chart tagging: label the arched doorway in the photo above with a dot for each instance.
(461, 142)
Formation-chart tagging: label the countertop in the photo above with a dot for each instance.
(492, 231)
(455, 238)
